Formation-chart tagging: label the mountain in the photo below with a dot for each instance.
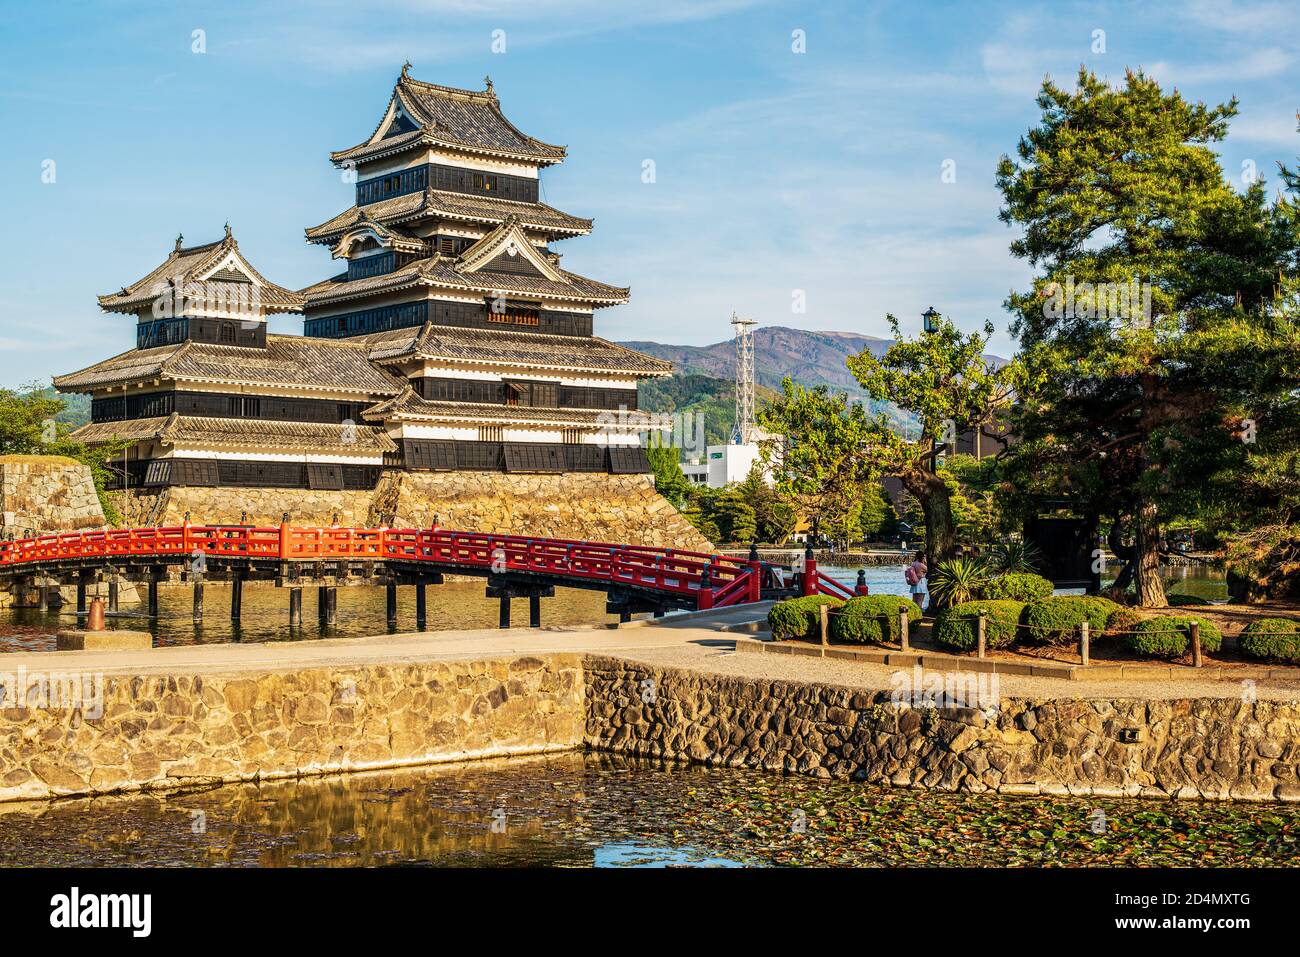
(704, 376)
(810, 358)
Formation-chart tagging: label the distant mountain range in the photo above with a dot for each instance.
(704, 376)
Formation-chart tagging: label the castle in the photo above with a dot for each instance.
(449, 373)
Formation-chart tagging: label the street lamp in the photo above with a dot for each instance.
(930, 318)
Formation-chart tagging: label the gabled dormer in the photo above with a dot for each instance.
(205, 293)
(508, 249)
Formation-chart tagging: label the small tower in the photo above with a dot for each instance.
(742, 433)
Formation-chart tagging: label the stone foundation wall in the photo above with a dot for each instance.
(46, 493)
(158, 732)
(265, 506)
(586, 506)
(1212, 748)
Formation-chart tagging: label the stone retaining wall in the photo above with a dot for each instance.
(1213, 748)
(158, 732)
(46, 493)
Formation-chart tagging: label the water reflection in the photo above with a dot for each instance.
(265, 614)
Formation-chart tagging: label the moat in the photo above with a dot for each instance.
(608, 811)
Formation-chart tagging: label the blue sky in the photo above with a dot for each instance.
(775, 171)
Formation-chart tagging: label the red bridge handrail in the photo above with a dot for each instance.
(730, 581)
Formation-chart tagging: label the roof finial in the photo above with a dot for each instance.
(227, 229)
(488, 81)
(180, 237)
(406, 68)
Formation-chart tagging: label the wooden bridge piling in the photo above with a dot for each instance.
(421, 607)
(390, 604)
(534, 611)
(198, 599)
(112, 594)
(236, 596)
(295, 607)
(503, 618)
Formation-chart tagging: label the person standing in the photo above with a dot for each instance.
(914, 575)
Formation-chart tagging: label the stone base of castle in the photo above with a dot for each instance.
(585, 506)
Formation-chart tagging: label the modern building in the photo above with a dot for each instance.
(452, 339)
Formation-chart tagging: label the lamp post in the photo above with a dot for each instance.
(930, 320)
(929, 324)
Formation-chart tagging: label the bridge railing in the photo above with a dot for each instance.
(712, 580)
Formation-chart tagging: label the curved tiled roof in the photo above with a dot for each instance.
(506, 347)
(408, 405)
(176, 429)
(183, 266)
(286, 361)
(469, 119)
(487, 210)
(441, 271)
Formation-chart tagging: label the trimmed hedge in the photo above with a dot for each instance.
(1056, 620)
(1169, 636)
(859, 620)
(1018, 586)
(1182, 601)
(956, 626)
(1260, 639)
(798, 617)
(1123, 619)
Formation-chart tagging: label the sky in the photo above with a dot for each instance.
(798, 149)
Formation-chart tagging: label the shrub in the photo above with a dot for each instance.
(1016, 557)
(1123, 619)
(1056, 620)
(1169, 636)
(958, 580)
(860, 619)
(956, 626)
(798, 617)
(1181, 601)
(1273, 639)
(1018, 586)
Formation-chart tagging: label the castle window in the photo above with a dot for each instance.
(228, 332)
(485, 182)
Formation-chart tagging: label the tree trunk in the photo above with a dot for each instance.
(1125, 554)
(936, 504)
(1146, 557)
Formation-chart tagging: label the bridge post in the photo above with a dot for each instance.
(112, 593)
(421, 606)
(755, 574)
(503, 619)
(198, 598)
(153, 594)
(331, 606)
(704, 597)
(861, 587)
(236, 596)
(534, 611)
(81, 593)
(390, 603)
(808, 584)
(42, 596)
(295, 607)
(322, 602)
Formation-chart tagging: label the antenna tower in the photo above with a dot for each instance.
(742, 433)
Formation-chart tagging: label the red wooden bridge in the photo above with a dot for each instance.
(636, 578)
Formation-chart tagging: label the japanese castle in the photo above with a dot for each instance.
(452, 341)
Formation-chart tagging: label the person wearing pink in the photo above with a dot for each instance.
(914, 575)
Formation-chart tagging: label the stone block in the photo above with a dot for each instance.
(116, 640)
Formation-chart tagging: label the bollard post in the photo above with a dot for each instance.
(1196, 644)
(824, 617)
(904, 623)
(1083, 642)
(979, 637)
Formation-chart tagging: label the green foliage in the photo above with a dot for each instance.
(877, 518)
(860, 620)
(1015, 556)
(670, 481)
(942, 378)
(820, 454)
(1271, 639)
(956, 627)
(1180, 601)
(799, 617)
(1018, 586)
(1056, 620)
(958, 580)
(1123, 619)
(708, 396)
(1169, 636)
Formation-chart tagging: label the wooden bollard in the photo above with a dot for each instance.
(1083, 642)
(1196, 644)
(824, 614)
(979, 637)
(903, 624)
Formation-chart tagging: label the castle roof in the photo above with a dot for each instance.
(287, 361)
(479, 210)
(423, 114)
(410, 406)
(216, 269)
(176, 429)
(506, 347)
